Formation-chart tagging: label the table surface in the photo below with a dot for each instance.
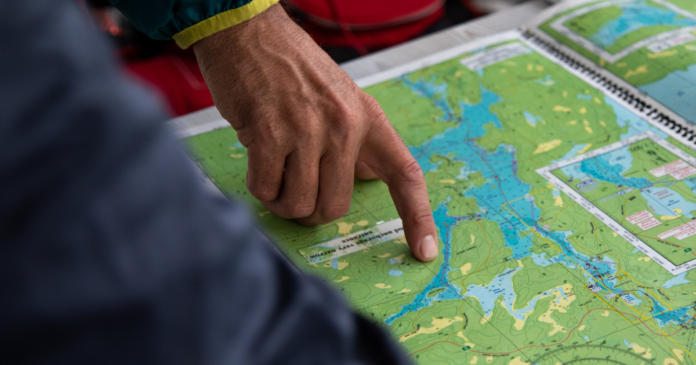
(371, 64)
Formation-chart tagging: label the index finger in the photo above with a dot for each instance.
(385, 153)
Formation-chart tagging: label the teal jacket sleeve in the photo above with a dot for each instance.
(188, 21)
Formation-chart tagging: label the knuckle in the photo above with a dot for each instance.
(277, 210)
(270, 136)
(420, 218)
(411, 172)
(348, 125)
(331, 158)
(245, 136)
(334, 211)
(311, 130)
(346, 121)
(369, 100)
(262, 192)
(299, 210)
(305, 132)
(347, 111)
(373, 108)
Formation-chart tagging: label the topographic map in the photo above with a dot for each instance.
(563, 219)
(651, 44)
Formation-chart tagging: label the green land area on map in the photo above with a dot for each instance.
(666, 73)
(648, 190)
(513, 284)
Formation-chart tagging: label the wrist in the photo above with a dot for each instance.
(252, 56)
(236, 41)
(220, 21)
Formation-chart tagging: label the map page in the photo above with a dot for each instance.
(527, 274)
(644, 184)
(651, 44)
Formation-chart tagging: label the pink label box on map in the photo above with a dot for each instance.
(681, 232)
(639, 217)
(677, 169)
(649, 223)
(644, 220)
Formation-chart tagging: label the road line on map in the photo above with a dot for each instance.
(583, 269)
(675, 342)
(651, 320)
(616, 257)
(641, 285)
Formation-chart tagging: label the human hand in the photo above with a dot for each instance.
(308, 128)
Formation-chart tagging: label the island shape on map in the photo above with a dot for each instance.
(526, 275)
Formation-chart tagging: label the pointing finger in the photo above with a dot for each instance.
(388, 157)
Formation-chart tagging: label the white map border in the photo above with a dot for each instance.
(558, 26)
(546, 172)
(512, 35)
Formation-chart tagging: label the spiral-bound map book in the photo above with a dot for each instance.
(561, 169)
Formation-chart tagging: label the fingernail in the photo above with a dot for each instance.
(429, 248)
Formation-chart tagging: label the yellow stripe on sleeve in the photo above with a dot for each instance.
(221, 21)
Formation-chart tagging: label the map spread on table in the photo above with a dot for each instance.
(565, 218)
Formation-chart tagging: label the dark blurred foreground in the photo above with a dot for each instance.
(112, 252)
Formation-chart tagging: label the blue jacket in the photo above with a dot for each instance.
(188, 21)
(110, 250)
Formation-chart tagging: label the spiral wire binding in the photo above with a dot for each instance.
(638, 103)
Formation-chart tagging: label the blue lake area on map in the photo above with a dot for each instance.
(665, 317)
(444, 224)
(634, 16)
(627, 118)
(676, 91)
(602, 169)
(499, 169)
(531, 118)
(677, 280)
(655, 196)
